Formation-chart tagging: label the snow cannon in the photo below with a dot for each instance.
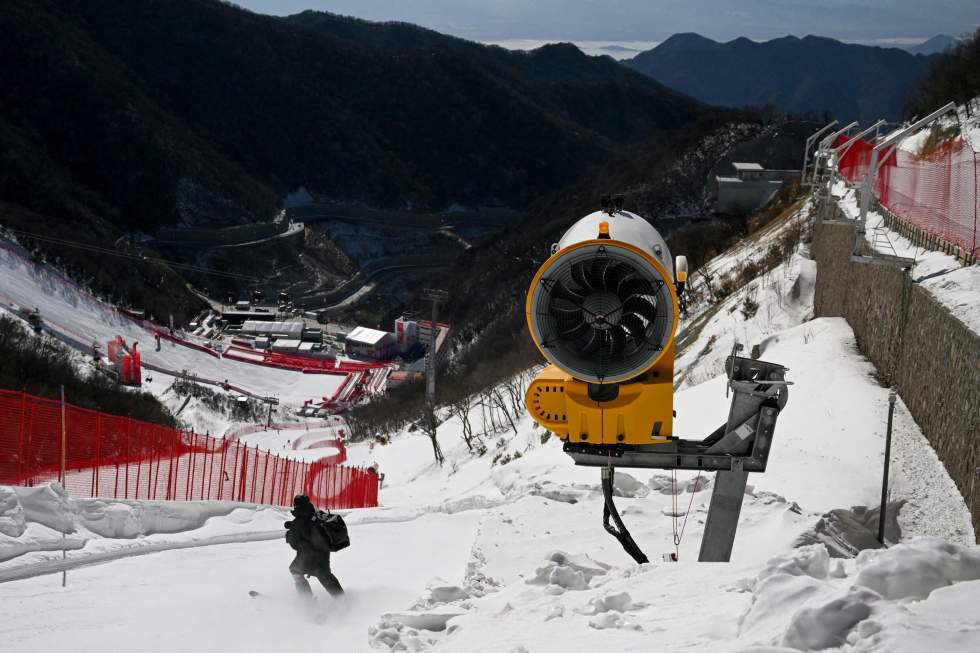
(603, 310)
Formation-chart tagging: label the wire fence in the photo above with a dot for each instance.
(935, 190)
(118, 457)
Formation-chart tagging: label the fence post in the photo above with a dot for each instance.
(171, 478)
(213, 443)
(204, 466)
(272, 487)
(221, 477)
(22, 450)
(98, 454)
(234, 473)
(139, 469)
(243, 477)
(156, 474)
(191, 469)
(282, 480)
(255, 474)
(129, 423)
(265, 477)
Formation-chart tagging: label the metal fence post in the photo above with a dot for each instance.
(884, 473)
(22, 450)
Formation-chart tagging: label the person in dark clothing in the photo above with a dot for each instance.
(312, 550)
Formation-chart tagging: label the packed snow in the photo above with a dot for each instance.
(505, 551)
(85, 319)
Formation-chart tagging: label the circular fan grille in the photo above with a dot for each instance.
(602, 313)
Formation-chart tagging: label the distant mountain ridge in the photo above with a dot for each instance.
(937, 44)
(808, 75)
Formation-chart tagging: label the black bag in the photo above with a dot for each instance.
(334, 530)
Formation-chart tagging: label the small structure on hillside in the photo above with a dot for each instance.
(372, 344)
(751, 187)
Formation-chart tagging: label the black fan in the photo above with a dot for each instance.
(603, 314)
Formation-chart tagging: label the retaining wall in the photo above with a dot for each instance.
(918, 347)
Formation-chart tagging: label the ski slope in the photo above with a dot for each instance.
(490, 557)
(198, 599)
(76, 314)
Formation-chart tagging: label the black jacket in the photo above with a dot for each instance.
(312, 549)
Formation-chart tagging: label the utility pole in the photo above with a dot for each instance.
(435, 296)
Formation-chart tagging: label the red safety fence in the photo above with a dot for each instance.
(936, 190)
(117, 457)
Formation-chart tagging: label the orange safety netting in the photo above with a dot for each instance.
(935, 190)
(117, 457)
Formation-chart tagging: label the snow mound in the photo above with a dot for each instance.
(625, 485)
(48, 505)
(618, 602)
(36, 520)
(13, 523)
(567, 572)
(915, 569)
(828, 624)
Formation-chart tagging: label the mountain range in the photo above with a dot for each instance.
(808, 75)
(145, 113)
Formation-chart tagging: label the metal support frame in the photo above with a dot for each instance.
(888, 143)
(809, 142)
(822, 148)
(738, 447)
(827, 140)
(723, 513)
(845, 147)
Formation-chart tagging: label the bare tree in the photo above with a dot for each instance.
(430, 425)
(500, 400)
(460, 407)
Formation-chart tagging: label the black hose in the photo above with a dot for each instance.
(609, 510)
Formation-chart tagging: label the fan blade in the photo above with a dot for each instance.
(564, 292)
(617, 340)
(581, 278)
(598, 272)
(572, 332)
(563, 309)
(633, 325)
(640, 306)
(593, 344)
(614, 276)
(634, 286)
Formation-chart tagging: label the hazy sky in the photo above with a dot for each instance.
(653, 20)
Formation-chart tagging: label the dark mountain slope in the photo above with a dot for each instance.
(126, 116)
(289, 105)
(81, 141)
(808, 75)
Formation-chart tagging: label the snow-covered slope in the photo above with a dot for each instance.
(505, 551)
(81, 317)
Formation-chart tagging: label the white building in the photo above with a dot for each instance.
(406, 333)
(370, 343)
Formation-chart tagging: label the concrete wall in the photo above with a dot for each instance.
(929, 356)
